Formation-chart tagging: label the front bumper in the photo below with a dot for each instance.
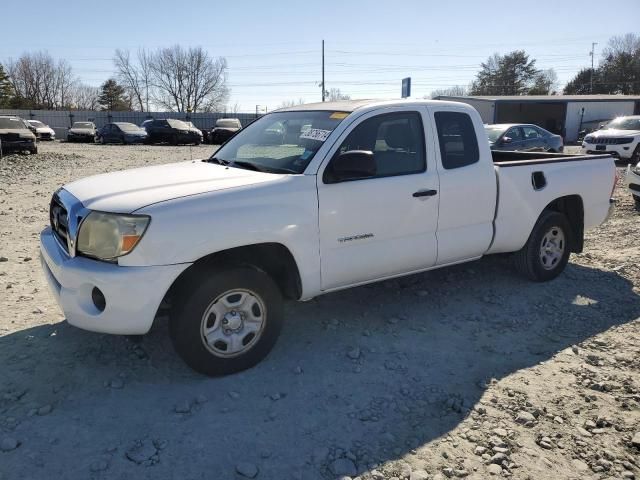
(132, 294)
(624, 151)
(17, 145)
(74, 137)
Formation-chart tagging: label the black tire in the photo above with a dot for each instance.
(637, 202)
(528, 260)
(33, 150)
(194, 299)
(635, 157)
(174, 140)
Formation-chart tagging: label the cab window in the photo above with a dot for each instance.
(396, 141)
(457, 139)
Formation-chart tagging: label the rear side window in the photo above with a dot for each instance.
(458, 141)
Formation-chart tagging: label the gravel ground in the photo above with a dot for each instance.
(467, 372)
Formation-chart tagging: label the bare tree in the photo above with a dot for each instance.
(291, 103)
(85, 97)
(335, 94)
(455, 91)
(188, 79)
(39, 81)
(135, 76)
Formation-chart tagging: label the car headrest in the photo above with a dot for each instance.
(398, 136)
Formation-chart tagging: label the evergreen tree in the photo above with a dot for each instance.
(6, 89)
(113, 96)
(510, 74)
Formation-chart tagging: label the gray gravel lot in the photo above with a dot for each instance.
(466, 372)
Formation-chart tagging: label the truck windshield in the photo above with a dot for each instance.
(494, 133)
(280, 142)
(624, 123)
(82, 125)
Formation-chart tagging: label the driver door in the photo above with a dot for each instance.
(383, 225)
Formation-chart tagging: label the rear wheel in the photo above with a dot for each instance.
(635, 157)
(227, 320)
(637, 202)
(546, 253)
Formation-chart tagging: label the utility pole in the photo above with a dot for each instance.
(323, 89)
(593, 47)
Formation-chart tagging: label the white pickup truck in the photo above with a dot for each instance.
(304, 201)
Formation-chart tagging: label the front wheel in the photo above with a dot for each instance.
(546, 253)
(226, 321)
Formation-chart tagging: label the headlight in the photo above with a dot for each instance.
(588, 139)
(110, 235)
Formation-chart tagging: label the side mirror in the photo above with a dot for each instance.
(507, 140)
(353, 165)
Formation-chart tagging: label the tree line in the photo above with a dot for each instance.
(174, 78)
(189, 79)
(515, 73)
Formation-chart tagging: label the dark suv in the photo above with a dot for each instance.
(175, 132)
(15, 135)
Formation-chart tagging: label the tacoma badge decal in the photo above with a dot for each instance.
(356, 237)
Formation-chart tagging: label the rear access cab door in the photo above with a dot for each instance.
(385, 224)
(468, 186)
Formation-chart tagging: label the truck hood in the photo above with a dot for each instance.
(613, 132)
(130, 190)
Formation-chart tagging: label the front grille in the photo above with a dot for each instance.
(611, 140)
(46, 135)
(59, 218)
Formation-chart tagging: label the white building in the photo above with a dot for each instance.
(562, 114)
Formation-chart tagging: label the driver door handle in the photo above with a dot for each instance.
(425, 193)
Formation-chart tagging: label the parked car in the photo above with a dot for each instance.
(370, 190)
(522, 137)
(16, 136)
(121, 132)
(633, 182)
(590, 126)
(203, 134)
(82, 132)
(224, 129)
(620, 137)
(43, 132)
(172, 131)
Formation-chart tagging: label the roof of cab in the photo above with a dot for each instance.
(352, 105)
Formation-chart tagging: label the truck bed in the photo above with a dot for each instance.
(508, 159)
(543, 178)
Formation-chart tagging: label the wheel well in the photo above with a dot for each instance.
(572, 207)
(273, 258)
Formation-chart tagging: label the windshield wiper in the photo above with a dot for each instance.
(247, 165)
(219, 161)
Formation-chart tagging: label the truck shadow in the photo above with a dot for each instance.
(368, 374)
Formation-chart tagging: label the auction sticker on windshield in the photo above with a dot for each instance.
(316, 134)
